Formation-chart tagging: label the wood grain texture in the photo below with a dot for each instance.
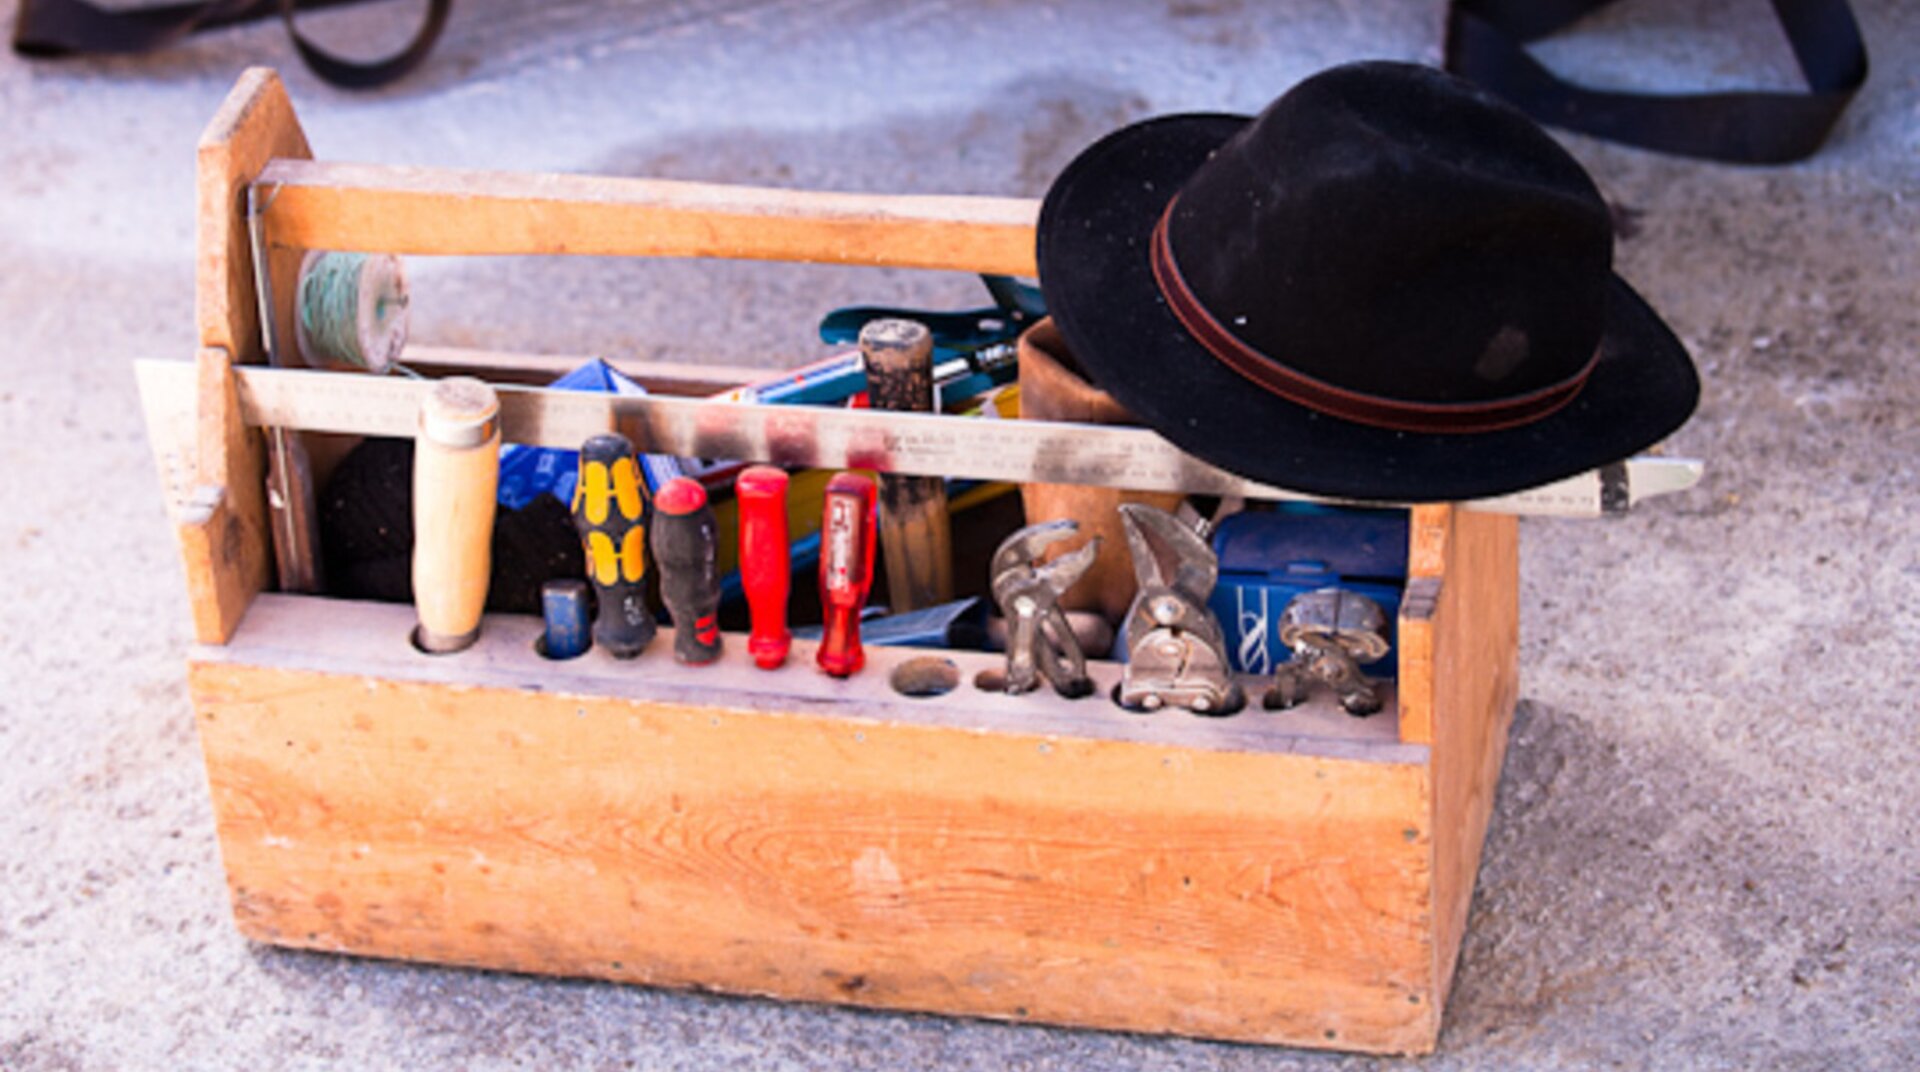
(719, 839)
(333, 635)
(224, 544)
(1415, 633)
(219, 588)
(230, 559)
(435, 211)
(255, 124)
(1475, 682)
(1429, 527)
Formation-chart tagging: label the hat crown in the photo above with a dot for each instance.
(1391, 231)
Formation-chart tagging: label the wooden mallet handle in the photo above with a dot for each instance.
(914, 528)
(456, 474)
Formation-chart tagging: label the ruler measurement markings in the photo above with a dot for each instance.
(922, 444)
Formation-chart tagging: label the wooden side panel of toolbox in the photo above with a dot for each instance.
(944, 862)
(1476, 684)
(1460, 678)
(224, 540)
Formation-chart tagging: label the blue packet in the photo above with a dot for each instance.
(526, 473)
(1268, 558)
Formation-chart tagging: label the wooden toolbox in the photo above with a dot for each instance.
(1297, 877)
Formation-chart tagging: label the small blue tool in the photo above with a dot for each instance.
(564, 604)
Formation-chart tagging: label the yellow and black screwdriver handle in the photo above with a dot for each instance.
(610, 511)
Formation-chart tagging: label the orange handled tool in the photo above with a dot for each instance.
(766, 562)
(846, 570)
(610, 512)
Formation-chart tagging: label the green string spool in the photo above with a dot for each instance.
(350, 310)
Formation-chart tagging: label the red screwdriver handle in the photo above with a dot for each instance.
(766, 561)
(846, 570)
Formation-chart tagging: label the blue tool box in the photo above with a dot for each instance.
(1269, 557)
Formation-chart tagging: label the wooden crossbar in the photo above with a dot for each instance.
(316, 205)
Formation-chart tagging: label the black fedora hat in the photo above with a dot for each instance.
(1389, 285)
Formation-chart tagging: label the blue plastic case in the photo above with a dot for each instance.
(1269, 557)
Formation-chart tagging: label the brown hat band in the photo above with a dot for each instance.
(1391, 413)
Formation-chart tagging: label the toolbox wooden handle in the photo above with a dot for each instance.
(374, 208)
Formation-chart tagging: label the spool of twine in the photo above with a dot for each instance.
(350, 310)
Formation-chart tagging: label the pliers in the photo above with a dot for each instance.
(1040, 643)
(1176, 651)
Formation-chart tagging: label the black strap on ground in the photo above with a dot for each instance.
(47, 28)
(1486, 43)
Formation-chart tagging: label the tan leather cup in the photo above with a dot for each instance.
(1052, 388)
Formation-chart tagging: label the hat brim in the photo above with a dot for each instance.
(1093, 251)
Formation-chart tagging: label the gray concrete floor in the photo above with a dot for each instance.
(1702, 854)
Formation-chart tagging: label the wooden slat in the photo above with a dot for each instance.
(431, 211)
(255, 124)
(1429, 529)
(1459, 680)
(226, 550)
(770, 843)
(224, 544)
(538, 370)
(1415, 636)
(210, 531)
(290, 632)
(1476, 681)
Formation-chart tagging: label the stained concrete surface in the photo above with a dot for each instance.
(1701, 855)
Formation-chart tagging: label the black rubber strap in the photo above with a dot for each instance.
(47, 28)
(1486, 43)
(353, 74)
(50, 28)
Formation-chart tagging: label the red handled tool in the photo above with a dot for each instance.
(766, 562)
(685, 546)
(846, 570)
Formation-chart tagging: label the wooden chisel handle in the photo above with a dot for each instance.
(456, 474)
(914, 528)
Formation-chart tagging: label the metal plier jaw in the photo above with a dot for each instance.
(1331, 632)
(1176, 650)
(1040, 642)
